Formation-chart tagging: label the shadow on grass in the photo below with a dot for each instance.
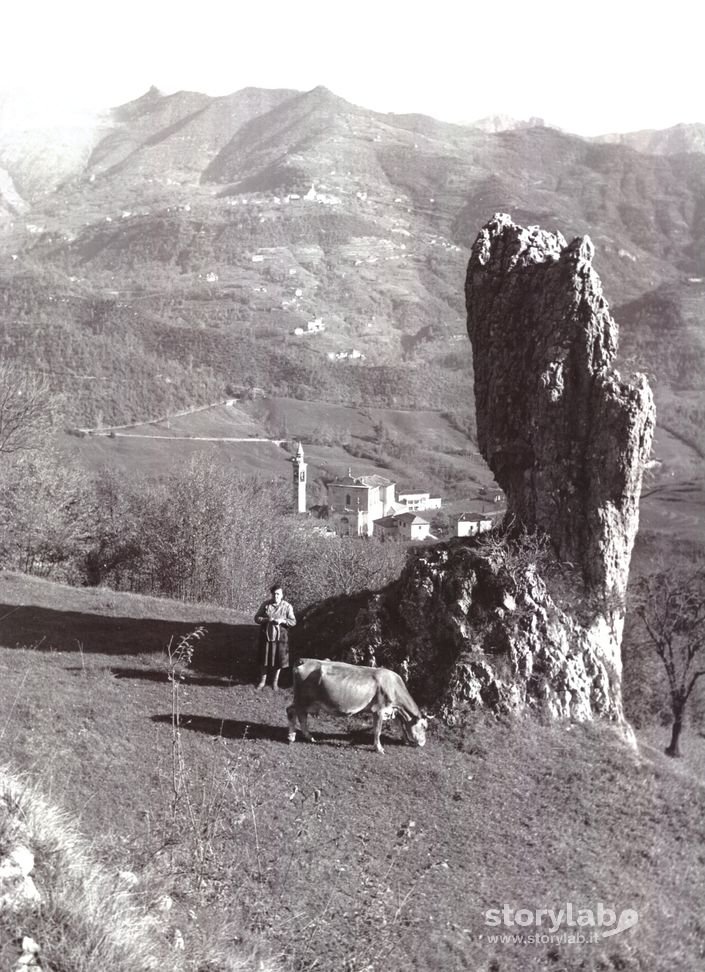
(227, 728)
(245, 729)
(228, 650)
(155, 675)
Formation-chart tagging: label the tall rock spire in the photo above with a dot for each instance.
(565, 437)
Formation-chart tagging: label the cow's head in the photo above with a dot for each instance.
(415, 730)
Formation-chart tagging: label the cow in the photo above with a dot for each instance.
(343, 689)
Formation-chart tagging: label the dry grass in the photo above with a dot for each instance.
(22, 590)
(91, 917)
(330, 857)
(86, 920)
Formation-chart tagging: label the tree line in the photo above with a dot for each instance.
(198, 534)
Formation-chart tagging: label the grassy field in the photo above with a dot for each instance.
(132, 455)
(417, 450)
(330, 857)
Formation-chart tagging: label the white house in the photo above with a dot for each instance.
(420, 501)
(470, 524)
(341, 355)
(402, 526)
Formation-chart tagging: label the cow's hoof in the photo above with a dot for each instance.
(310, 739)
(378, 749)
(291, 737)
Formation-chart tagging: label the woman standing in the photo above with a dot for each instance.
(274, 617)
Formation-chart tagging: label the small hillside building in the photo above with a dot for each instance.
(402, 526)
(471, 524)
(419, 501)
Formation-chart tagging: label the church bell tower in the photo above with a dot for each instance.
(299, 480)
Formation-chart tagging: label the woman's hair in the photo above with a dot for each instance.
(276, 587)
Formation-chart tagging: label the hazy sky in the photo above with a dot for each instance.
(588, 67)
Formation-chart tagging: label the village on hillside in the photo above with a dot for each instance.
(369, 505)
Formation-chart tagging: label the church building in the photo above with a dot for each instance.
(355, 502)
(359, 504)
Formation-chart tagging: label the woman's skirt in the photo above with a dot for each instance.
(274, 654)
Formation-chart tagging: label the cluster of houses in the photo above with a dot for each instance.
(312, 327)
(353, 354)
(365, 506)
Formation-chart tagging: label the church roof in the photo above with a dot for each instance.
(369, 482)
(409, 518)
(396, 518)
(375, 480)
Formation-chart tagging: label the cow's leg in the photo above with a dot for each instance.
(404, 729)
(262, 679)
(291, 716)
(303, 722)
(275, 680)
(379, 719)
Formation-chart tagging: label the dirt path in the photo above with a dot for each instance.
(107, 429)
(188, 438)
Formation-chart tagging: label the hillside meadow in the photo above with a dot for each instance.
(328, 856)
(417, 448)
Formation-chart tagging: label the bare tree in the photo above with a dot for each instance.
(25, 408)
(671, 609)
(315, 567)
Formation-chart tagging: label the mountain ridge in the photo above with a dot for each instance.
(72, 144)
(676, 140)
(218, 231)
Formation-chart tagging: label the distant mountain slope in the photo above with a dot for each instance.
(37, 152)
(505, 123)
(175, 137)
(668, 141)
(260, 238)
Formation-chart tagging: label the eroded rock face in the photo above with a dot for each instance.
(473, 626)
(513, 622)
(565, 437)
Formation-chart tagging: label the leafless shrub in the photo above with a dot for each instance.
(26, 408)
